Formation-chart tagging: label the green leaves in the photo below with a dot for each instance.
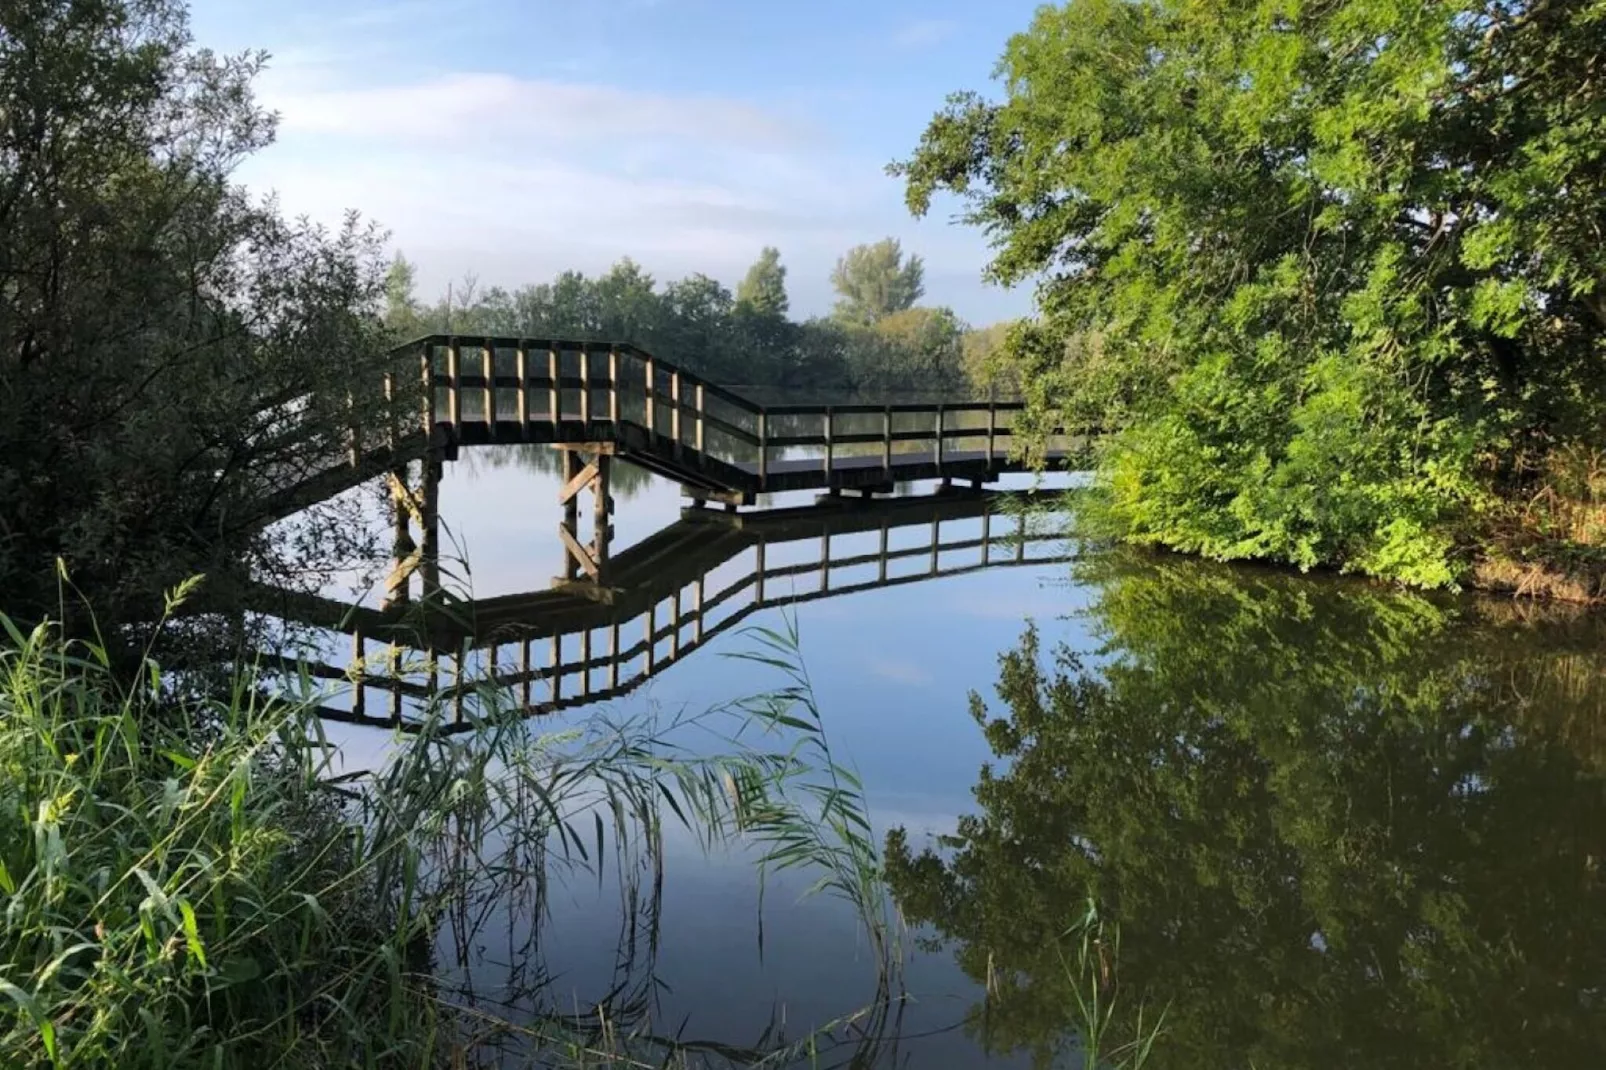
(1400, 189)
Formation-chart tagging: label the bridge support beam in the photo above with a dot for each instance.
(414, 509)
(587, 467)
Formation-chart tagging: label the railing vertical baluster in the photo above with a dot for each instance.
(652, 408)
(556, 678)
(825, 560)
(992, 421)
(426, 367)
(353, 430)
(585, 390)
(882, 554)
(936, 541)
(554, 396)
(394, 667)
(359, 670)
(698, 431)
(674, 408)
(457, 682)
(886, 441)
(652, 638)
(763, 445)
(613, 387)
(585, 663)
(986, 536)
(392, 417)
(700, 592)
(524, 672)
(613, 655)
(521, 369)
(488, 367)
(1020, 547)
(454, 406)
(674, 642)
(758, 570)
(939, 436)
(830, 451)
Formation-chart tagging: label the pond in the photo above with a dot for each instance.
(1322, 823)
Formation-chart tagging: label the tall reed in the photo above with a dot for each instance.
(186, 880)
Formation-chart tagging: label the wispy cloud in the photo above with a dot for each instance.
(900, 672)
(923, 33)
(467, 106)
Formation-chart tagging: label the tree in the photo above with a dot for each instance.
(1373, 842)
(173, 353)
(874, 281)
(762, 292)
(1343, 259)
(403, 314)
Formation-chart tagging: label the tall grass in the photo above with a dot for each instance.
(186, 881)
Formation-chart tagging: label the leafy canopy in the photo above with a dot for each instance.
(1342, 259)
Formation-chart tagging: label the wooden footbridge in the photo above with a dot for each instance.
(673, 593)
(598, 401)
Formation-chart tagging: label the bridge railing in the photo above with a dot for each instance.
(512, 384)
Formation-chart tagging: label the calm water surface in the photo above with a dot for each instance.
(1332, 825)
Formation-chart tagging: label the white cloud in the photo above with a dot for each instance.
(923, 33)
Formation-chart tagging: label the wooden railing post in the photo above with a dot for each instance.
(521, 369)
(939, 435)
(992, 421)
(426, 364)
(554, 395)
(353, 430)
(758, 570)
(674, 408)
(702, 404)
(359, 695)
(556, 679)
(392, 417)
(652, 408)
(830, 451)
(585, 390)
(454, 388)
(652, 638)
(488, 366)
(763, 445)
(613, 387)
(613, 655)
(886, 441)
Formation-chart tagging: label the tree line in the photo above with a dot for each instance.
(878, 337)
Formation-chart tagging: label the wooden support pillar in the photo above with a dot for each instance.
(591, 470)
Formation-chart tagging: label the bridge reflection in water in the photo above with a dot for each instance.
(667, 596)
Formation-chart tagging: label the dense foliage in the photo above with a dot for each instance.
(173, 353)
(1333, 269)
(877, 340)
(1333, 826)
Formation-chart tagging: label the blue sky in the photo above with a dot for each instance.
(519, 139)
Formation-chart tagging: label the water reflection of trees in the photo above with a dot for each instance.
(626, 479)
(1336, 826)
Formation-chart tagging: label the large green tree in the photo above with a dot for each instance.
(1343, 258)
(173, 352)
(1330, 824)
